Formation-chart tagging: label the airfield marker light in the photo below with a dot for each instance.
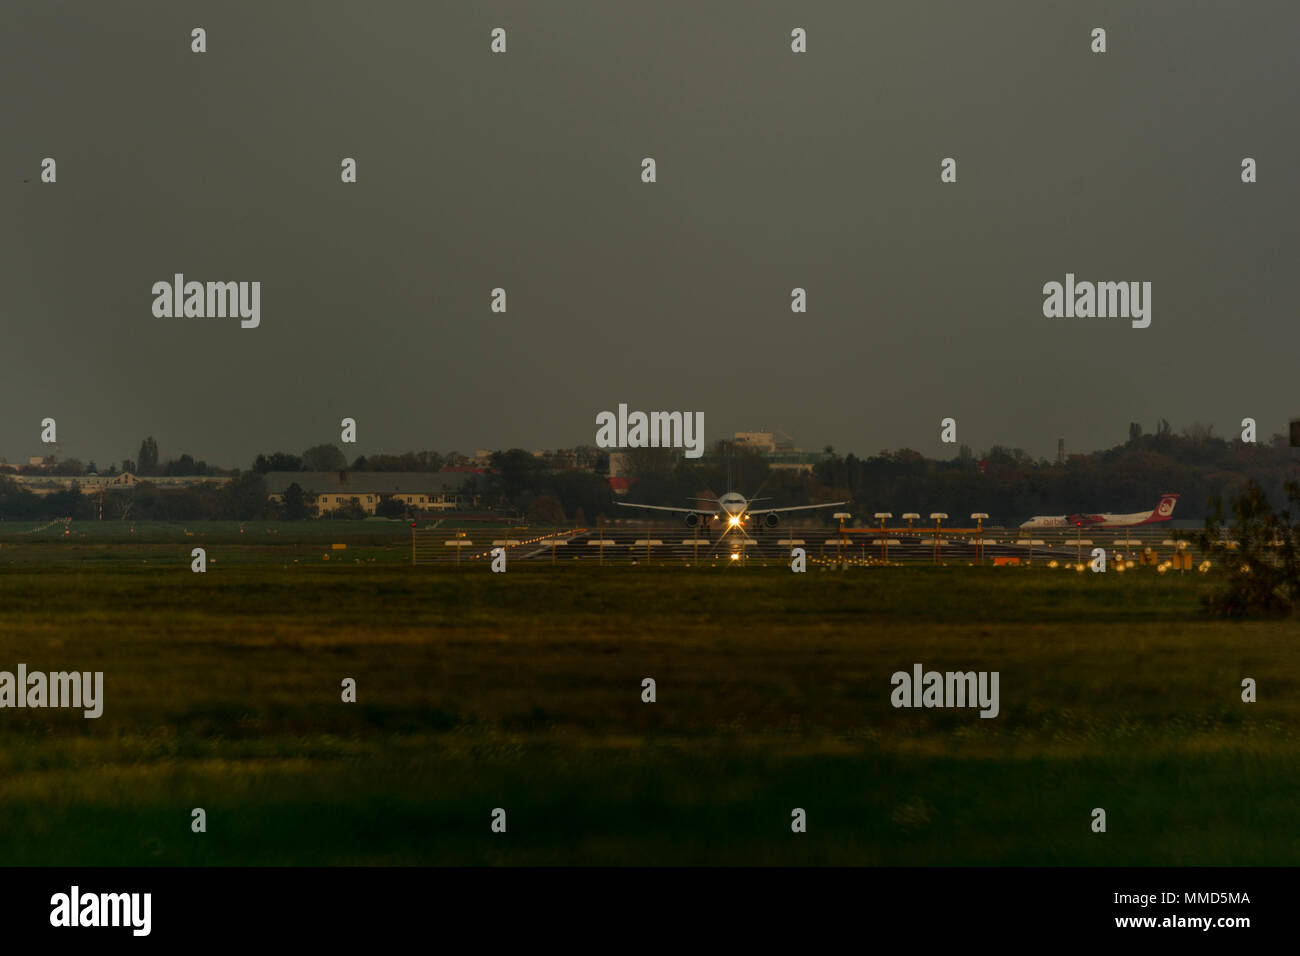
(884, 544)
(979, 517)
(938, 517)
(840, 543)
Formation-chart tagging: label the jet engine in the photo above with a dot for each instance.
(693, 520)
(771, 519)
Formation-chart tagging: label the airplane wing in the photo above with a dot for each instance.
(688, 511)
(763, 511)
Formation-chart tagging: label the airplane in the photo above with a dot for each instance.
(732, 509)
(1161, 512)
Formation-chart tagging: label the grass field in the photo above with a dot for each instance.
(523, 691)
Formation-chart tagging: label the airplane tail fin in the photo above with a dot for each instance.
(1165, 510)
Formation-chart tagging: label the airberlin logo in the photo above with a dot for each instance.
(1166, 507)
(655, 430)
(1102, 300)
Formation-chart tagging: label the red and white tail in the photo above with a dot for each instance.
(1164, 511)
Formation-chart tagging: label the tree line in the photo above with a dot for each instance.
(1010, 486)
(1005, 483)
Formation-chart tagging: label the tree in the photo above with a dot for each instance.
(1134, 432)
(390, 507)
(184, 465)
(121, 504)
(295, 503)
(1262, 572)
(348, 510)
(546, 510)
(244, 497)
(278, 461)
(518, 471)
(408, 461)
(148, 456)
(69, 467)
(325, 457)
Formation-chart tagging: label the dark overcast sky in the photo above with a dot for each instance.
(776, 170)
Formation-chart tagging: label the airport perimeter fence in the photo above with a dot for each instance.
(678, 545)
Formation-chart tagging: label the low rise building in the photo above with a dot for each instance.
(46, 484)
(421, 491)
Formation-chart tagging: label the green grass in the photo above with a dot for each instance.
(523, 691)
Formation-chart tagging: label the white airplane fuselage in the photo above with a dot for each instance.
(1161, 513)
(732, 507)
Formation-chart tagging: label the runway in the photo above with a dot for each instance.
(680, 545)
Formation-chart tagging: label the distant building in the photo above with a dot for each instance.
(795, 460)
(49, 484)
(571, 459)
(759, 441)
(126, 480)
(422, 491)
(780, 453)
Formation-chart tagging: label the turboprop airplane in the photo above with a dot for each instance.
(1161, 512)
